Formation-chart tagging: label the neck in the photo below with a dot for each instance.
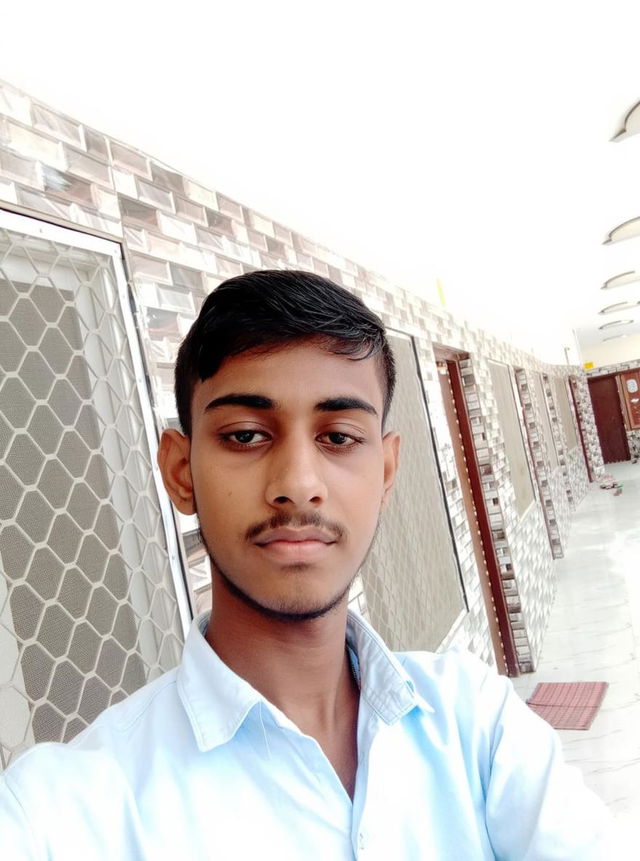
(301, 667)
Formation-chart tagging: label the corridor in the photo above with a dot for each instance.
(594, 635)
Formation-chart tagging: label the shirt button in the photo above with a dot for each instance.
(361, 842)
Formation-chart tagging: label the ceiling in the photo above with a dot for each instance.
(463, 142)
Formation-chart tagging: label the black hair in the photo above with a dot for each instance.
(271, 307)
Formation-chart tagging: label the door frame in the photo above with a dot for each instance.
(573, 383)
(452, 357)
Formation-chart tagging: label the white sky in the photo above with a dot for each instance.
(464, 141)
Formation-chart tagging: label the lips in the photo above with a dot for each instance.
(295, 536)
(287, 546)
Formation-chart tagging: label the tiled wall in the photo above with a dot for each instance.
(614, 369)
(541, 462)
(181, 239)
(588, 427)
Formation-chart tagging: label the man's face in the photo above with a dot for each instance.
(288, 471)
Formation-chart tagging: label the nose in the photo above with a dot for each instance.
(296, 475)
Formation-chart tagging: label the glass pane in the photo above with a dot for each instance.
(411, 577)
(512, 432)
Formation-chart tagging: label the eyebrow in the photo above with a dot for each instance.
(254, 402)
(260, 402)
(331, 405)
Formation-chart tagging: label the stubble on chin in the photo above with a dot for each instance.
(289, 608)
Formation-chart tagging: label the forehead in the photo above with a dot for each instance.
(302, 373)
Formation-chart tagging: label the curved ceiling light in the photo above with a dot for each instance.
(631, 124)
(613, 337)
(620, 280)
(619, 306)
(627, 230)
(615, 323)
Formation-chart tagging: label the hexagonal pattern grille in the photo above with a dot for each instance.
(88, 611)
(411, 576)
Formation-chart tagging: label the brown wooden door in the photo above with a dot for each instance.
(609, 420)
(630, 387)
(477, 517)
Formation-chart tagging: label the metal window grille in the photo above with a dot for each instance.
(91, 600)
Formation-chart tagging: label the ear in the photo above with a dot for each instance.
(391, 454)
(173, 460)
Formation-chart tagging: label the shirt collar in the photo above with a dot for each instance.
(384, 683)
(217, 701)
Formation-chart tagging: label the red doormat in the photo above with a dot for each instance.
(568, 705)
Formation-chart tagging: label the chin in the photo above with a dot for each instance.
(288, 608)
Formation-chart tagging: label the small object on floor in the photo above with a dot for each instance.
(568, 705)
(618, 489)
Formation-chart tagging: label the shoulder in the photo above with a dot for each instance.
(454, 673)
(462, 691)
(113, 738)
(456, 660)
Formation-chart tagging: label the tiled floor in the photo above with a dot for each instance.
(594, 635)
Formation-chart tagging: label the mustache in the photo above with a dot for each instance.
(281, 519)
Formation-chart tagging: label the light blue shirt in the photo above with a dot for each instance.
(198, 765)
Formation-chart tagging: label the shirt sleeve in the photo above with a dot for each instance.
(537, 806)
(16, 835)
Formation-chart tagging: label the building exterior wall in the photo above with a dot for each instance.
(541, 458)
(588, 426)
(180, 240)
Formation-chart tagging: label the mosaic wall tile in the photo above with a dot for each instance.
(200, 194)
(129, 159)
(87, 167)
(61, 127)
(15, 104)
(208, 237)
(96, 144)
(125, 182)
(540, 457)
(23, 169)
(634, 444)
(37, 146)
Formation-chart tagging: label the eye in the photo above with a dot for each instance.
(336, 439)
(243, 438)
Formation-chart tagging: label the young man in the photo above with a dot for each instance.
(289, 731)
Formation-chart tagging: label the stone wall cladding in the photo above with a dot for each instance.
(540, 458)
(588, 426)
(499, 498)
(180, 239)
(570, 480)
(578, 475)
